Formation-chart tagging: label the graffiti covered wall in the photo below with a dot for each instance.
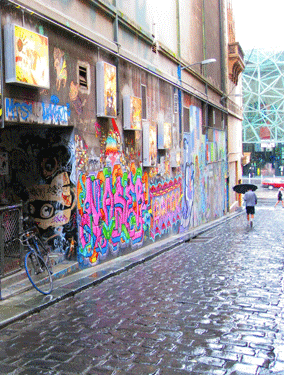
(119, 209)
(114, 211)
(41, 174)
(122, 204)
(204, 170)
(101, 158)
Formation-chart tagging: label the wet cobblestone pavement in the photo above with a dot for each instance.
(211, 306)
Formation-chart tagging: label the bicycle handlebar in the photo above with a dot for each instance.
(26, 236)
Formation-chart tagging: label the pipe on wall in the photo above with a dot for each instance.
(178, 29)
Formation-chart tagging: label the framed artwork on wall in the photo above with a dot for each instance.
(149, 144)
(132, 113)
(175, 149)
(26, 57)
(106, 89)
(164, 135)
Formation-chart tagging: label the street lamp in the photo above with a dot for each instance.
(225, 97)
(201, 63)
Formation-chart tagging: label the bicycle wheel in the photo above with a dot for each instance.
(38, 272)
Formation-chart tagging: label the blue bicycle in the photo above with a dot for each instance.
(37, 263)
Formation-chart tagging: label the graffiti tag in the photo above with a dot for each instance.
(37, 112)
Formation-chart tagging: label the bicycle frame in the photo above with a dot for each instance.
(37, 263)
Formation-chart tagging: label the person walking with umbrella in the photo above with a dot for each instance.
(250, 200)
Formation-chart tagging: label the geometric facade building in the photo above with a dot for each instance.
(263, 111)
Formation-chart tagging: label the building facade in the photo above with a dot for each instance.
(263, 126)
(234, 102)
(114, 125)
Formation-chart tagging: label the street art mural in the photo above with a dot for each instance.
(87, 185)
(77, 103)
(113, 210)
(52, 200)
(81, 152)
(30, 65)
(119, 210)
(60, 67)
(204, 172)
(41, 165)
(165, 207)
(188, 185)
(135, 113)
(106, 89)
(51, 204)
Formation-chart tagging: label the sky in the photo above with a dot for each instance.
(259, 23)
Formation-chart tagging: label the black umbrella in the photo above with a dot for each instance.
(243, 188)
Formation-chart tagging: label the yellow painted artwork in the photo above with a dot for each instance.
(153, 144)
(136, 113)
(31, 58)
(110, 89)
(167, 135)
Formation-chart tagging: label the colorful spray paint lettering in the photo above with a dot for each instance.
(166, 207)
(113, 210)
(120, 209)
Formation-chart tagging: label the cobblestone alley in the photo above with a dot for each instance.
(211, 306)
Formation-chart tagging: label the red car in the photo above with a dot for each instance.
(273, 182)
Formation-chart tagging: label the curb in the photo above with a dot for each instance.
(31, 302)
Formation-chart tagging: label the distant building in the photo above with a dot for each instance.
(263, 111)
(234, 106)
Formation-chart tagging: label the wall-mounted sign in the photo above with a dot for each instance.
(164, 135)
(149, 144)
(132, 113)
(106, 89)
(175, 149)
(175, 103)
(26, 57)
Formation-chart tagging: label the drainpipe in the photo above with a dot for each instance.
(204, 35)
(224, 72)
(115, 38)
(179, 67)
(178, 29)
(222, 46)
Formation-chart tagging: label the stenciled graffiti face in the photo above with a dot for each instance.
(49, 166)
(46, 210)
(51, 205)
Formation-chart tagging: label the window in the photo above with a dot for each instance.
(144, 102)
(83, 77)
(83, 82)
(186, 126)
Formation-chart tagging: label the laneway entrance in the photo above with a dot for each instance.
(41, 174)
